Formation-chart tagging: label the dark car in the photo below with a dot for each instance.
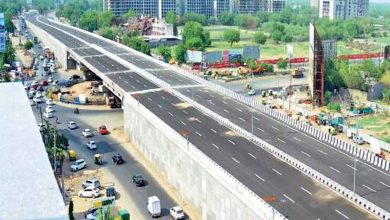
(110, 191)
(138, 180)
(40, 88)
(43, 83)
(117, 159)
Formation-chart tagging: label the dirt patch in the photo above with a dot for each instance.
(24, 56)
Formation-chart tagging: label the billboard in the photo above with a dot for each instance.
(2, 33)
(251, 52)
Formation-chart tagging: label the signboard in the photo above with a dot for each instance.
(194, 56)
(103, 202)
(290, 51)
(2, 33)
(251, 52)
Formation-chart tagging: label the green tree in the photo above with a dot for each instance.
(282, 63)
(252, 64)
(71, 216)
(109, 32)
(9, 26)
(227, 18)
(327, 97)
(260, 38)
(231, 36)
(171, 19)
(246, 21)
(180, 54)
(194, 43)
(28, 45)
(386, 95)
(89, 20)
(267, 67)
(262, 16)
(192, 29)
(137, 43)
(199, 18)
(194, 36)
(165, 52)
(287, 38)
(105, 19)
(130, 14)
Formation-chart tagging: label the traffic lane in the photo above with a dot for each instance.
(108, 147)
(306, 149)
(116, 50)
(105, 64)
(140, 61)
(131, 81)
(88, 51)
(238, 161)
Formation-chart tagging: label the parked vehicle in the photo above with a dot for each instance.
(49, 109)
(358, 139)
(72, 155)
(138, 180)
(117, 159)
(103, 130)
(41, 127)
(98, 159)
(48, 115)
(49, 102)
(78, 165)
(91, 145)
(40, 89)
(154, 206)
(110, 191)
(252, 92)
(91, 182)
(38, 95)
(177, 213)
(72, 125)
(87, 133)
(89, 192)
(50, 79)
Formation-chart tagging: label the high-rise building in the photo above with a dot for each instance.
(343, 9)
(275, 6)
(2, 33)
(154, 8)
(205, 7)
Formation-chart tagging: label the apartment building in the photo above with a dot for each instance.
(343, 9)
(154, 8)
(275, 6)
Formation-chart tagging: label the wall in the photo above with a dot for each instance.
(213, 192)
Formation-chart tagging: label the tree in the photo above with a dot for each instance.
(252, 64)
(89, 20)
(386, 79)
(71, 216)
(171, 19)
(227, 18)
(194, 36)
(260, 38)
(109, 32)
(194, 43)
(327, 97)
(287, 38)
(192, 29)
(267, 67)
(282, 63)
(105, 19)
(9, 26)
(130, 14)
(180, 54)
(231, 36)
(200, 18)
(165, 52)
(246, 21)
(386, 96)
(28, 45)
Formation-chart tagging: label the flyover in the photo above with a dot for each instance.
(296, 195)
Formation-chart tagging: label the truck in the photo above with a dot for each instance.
(154, 206)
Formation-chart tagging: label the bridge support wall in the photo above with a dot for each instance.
(212, 191)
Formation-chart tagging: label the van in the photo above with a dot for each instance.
(154, 206)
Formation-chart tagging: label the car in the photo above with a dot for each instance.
(87, 133)
(103, 130)
(50, 79)
(72, 125)
(32, 103)
(91, 145)
(43, 83)
(38, 94)
(49, 102)
(30, 95)
(41, 127)
(49, 109)
(35, 86)
(34, 83)
(138, 180)
(89, 192)
(48, 115)
(177, 213)
(37, 100)
(91, 182)
(252, 92)
(117, 159)
(78, 165)
(40, 89)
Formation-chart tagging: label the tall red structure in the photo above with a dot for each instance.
(316, 67)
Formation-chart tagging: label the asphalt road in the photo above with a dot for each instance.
(239, 113)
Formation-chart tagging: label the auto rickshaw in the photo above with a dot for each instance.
(98, 159)
(72, 155)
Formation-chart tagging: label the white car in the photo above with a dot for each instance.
(87, 132)
(33, 83)
(89, 192)
(72, 125)
(32, 91)
(50, 79)
(177, 213)
(91, 145)
(49, 109)
(38, 95)
(91, 182)
(49, 102)
(48, 114)
(252, 92)
(37, 100)
(93, 215)
(78, 165)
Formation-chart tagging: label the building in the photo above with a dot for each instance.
(28, 187)
(275, 6)
(314, 3)
(343, 9)
(330, 49)
(160, 28)
(154, 8)
(205, 7)
(2, 33)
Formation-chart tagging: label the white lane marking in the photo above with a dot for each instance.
(198, 133)
(131, 76)
(291, 200)
(137, 80)
(384, 184)
(281, 140)
(145, 86)
(132, 87)
(307, 191)
(126, 82)
(119, 77)
(332, 168)
(242, 119)
(297, 139)
(183, 123)
(185, 112)
(260, 129)
(224, 102)
(199, 120)
(211, 95)
(277, 171)
(235, 160)
(275, 128)
(239, 110)
(225, 110)
(213, 130)
(162, 97)
(159, 106)
(231, 142)
(252, 155)
(342, 214)
(170, 113)
(211, 102)
(369, 188)
(259, 177)
(306, 153)
(256, 119)
(215, 146)
(350, 166)
(322, 152)
(198, 96)
(149, 99)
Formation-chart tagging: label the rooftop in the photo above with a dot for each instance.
(28, 189)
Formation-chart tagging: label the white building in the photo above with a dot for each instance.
(343, 9)
(160, 27)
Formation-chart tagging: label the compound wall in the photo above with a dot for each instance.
(212, 191)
